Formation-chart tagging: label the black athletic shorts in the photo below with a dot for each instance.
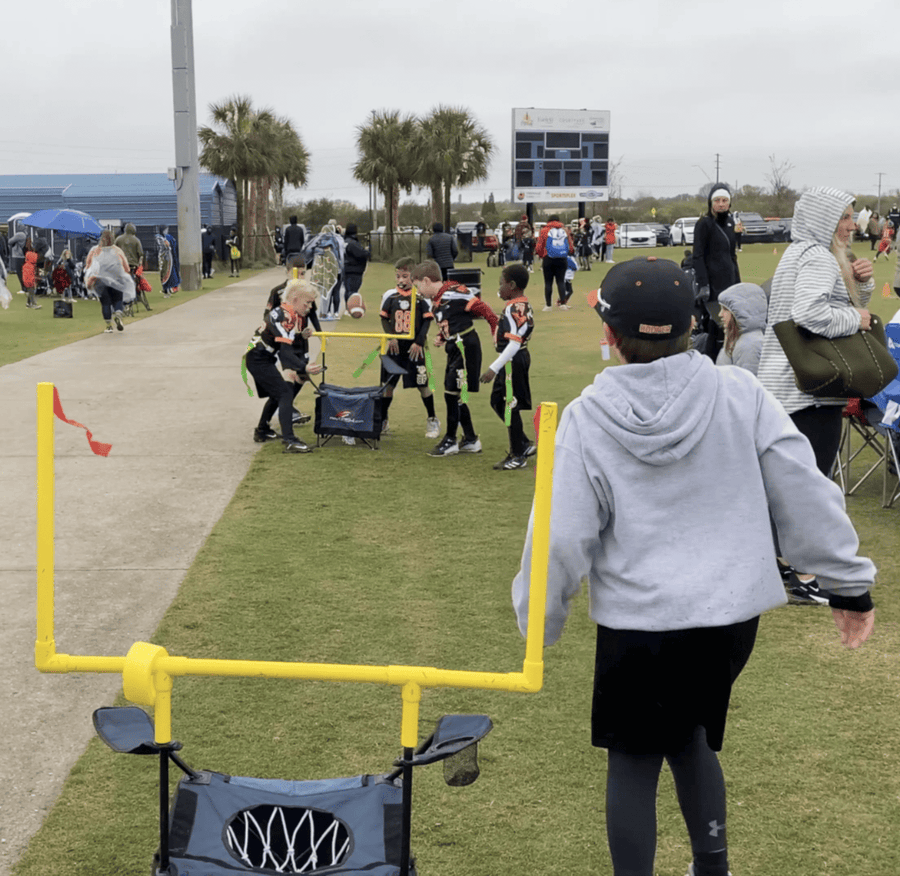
(521, 388)
(416, 372)
(266, 376)
(453, 376)
(651, 690)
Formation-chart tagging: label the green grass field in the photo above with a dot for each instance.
(394, 557)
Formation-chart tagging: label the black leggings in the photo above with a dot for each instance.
(554, 270)
(631, 788)
(822, 426)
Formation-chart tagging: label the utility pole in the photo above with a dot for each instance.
(878, 211)
(186, 170)
(717, 168)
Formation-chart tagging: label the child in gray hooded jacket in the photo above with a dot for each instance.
(672, 638)
(743, 308)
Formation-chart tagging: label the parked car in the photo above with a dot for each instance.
(682, 231)
(663, 235)
(635, 234)
(756, 229)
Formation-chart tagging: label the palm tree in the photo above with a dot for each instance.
(247, 145)
(454, 151)
(388, 159)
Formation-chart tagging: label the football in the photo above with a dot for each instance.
(356, 307)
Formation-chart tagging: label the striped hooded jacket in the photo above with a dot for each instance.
(808, 288)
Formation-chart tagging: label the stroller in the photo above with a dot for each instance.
(222, 825)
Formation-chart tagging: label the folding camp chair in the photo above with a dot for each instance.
(857, 426)
(221, 825)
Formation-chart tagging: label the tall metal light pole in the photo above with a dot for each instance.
(186, 171)
(878, 211)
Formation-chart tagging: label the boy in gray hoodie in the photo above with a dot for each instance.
(672, 637)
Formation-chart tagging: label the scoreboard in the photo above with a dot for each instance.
(560, 155)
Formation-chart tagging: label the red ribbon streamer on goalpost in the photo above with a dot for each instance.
(98, 447)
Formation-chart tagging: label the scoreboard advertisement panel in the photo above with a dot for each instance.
(560, 155)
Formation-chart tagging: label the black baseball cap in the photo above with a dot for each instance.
(646, 298)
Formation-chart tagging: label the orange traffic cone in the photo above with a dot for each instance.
(886, 290)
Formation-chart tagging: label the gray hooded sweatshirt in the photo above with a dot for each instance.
(808, 288)
(626, 514)
(748, 303)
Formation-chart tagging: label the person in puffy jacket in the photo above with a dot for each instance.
(356, 257)
(442, 248)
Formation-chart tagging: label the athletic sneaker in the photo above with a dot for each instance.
(563, 306)
(108, 330)
(548, 308)
(470, 445)
(260, 436)
(432, 427)
(299, 419)
(530, 449)
(514, 462)
(502, 464)
(348, 440)
(295, 445)
(804, 592)
(447, 447)
(386, 427)
(117, 316)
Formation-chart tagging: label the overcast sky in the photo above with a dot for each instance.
(814, 82)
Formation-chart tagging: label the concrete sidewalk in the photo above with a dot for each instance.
(167, 394)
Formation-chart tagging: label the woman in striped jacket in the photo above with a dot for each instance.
(822, 287)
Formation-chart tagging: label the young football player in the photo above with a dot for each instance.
(396, 318)
(511, 339)
(454, 308)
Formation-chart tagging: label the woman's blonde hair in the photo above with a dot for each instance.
(732, 332)
(107, 238)
(841, 251)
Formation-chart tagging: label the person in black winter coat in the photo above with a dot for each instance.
(715, 261)
(442, 248)
(355, 258)
(294, 239)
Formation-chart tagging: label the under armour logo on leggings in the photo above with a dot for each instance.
(715, 827)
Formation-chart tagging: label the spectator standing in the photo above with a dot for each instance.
(208, 245)
(129, 243)
(29, 275)
(824, 290)
(17, 255)
(738, 233)
(356, 256)
(233, 243)
(442, 248)
(294, 238)
(554, 246)
(715, 260)
(862, 222)
(873, 230)
(480, 231)
(609, 239)
(894, 218)
(170, 287)
(597, 235)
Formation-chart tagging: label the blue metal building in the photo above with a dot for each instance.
(145, 199)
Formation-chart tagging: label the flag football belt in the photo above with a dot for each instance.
(461, 334)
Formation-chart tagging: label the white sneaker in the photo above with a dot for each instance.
(690, 871)
(432, 427)
(547, 309)
(385, 427)
(472, 445)
(347, 440)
